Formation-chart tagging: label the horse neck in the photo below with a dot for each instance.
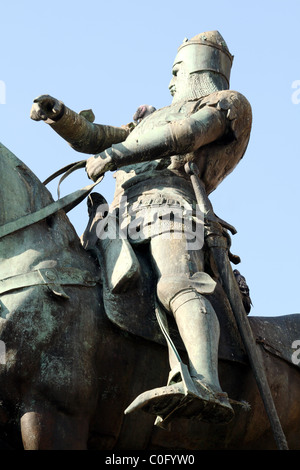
(21, 192)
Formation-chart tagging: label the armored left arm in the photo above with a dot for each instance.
(173, 138)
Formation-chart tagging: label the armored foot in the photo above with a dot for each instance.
(198, 401)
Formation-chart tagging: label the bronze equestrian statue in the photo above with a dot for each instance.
(165, 278)
(207, 124)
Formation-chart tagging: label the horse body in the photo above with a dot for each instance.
(131, 365)
(50, 332)
(70, 372)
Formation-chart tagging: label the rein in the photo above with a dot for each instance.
(66, 203)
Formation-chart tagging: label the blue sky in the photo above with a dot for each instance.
(114, 56)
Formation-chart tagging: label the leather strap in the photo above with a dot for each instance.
(66, 203)
(51, 277)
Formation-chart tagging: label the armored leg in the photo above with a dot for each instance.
(181, 290)
(195, 392)
(199, 329)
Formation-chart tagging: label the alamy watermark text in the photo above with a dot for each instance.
(2, 352)
(296, 353)
(296, 93)
(2, 92)
(138, 222)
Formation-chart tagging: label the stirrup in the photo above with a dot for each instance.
(162, 400)
(182, 397)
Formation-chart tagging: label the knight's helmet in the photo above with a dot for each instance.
(206, 52)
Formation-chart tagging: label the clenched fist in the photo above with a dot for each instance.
(100, 164)
(45, 107)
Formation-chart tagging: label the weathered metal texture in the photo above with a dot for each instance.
(48, 312)
(71, 372)
(128, 360)
(206, 51)
(73, 364)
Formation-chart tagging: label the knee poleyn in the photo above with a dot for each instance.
(171, 287)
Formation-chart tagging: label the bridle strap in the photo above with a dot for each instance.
(66, 203)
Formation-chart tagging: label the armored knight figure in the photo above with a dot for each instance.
(207, 124)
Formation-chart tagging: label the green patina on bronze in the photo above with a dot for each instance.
(84, 320)
(206, 124)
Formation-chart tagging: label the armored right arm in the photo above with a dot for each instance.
(82, 135)
(171, 138)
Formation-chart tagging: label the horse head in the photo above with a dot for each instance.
(21, 192)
